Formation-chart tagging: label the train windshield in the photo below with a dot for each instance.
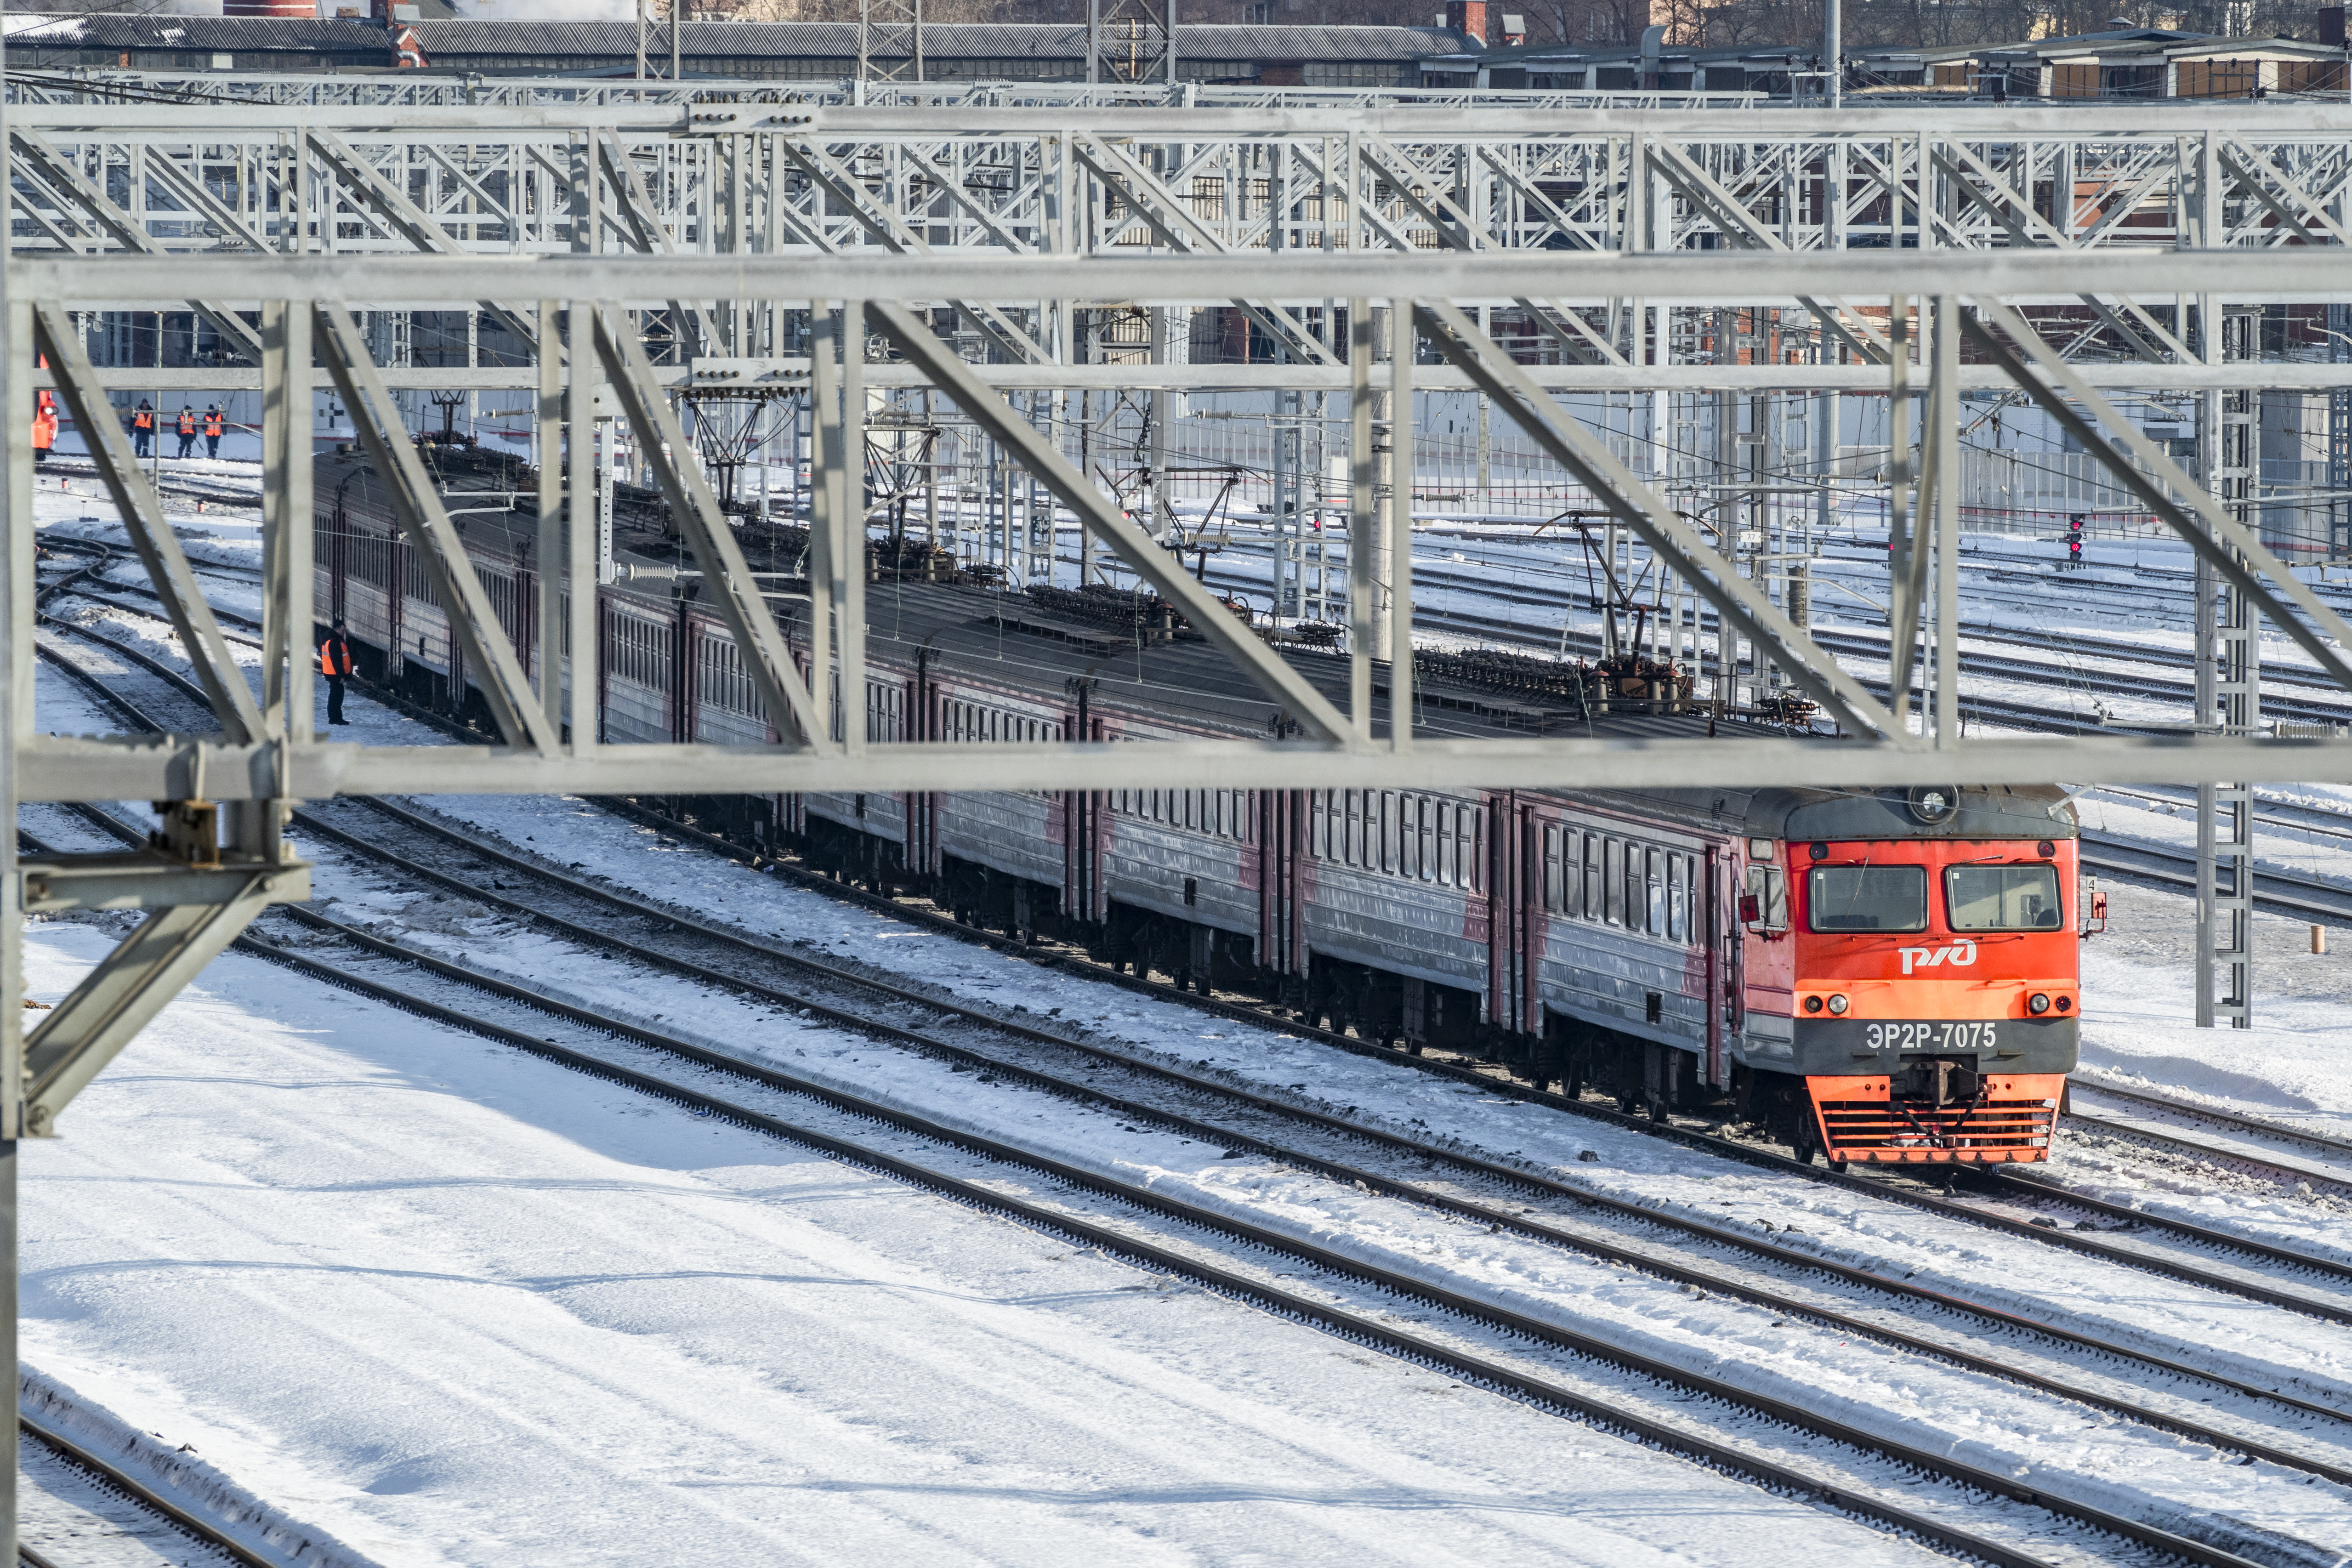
(2001, 897)
(1867, 898)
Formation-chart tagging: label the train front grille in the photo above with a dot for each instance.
(1895, 1129)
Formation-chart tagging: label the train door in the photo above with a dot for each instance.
(1505, 920)
(1711, 916)
(1532, 922)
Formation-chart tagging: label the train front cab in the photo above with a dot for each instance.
(1933, 994)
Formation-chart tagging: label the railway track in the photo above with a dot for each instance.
(200, 1532)
(698, 937)
(2291, 1294)
(2273, 1167)
(1172, 1247)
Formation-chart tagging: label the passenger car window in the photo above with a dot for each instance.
(2001, 897)
(1867, 898)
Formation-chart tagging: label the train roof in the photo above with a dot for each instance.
(1019, 646)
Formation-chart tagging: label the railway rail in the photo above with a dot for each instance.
(199, 1531)
(699, 936)
(2033, 1193)
(1549, 1392)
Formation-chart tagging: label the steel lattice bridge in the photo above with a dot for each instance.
(2061, 256)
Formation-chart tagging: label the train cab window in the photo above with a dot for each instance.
(1866, 897)
(2001, 897)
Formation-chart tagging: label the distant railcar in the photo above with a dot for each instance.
(1872, 975)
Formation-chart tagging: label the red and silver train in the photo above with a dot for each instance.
(1870, 975)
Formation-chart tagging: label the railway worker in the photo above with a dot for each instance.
(213, 424)
(45, 428)
(335, 663)
(188, 428)
(142, 427)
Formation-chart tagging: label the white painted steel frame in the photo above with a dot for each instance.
(82, 769)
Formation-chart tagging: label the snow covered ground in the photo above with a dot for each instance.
(450, 1304)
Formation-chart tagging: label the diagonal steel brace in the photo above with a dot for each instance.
(726, 573)
(1745, 609)
(89, 1029)
(142, 510)
(1154, 564)
(2228, 545)
(376, 416)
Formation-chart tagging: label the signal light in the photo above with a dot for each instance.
(1838, 1006)
(2037, 1004)
(2066, 1004)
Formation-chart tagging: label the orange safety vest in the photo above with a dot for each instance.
(213, 423)
(187, 423)
(327, 660)
(144, 420)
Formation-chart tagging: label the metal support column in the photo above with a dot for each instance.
(2228, 681)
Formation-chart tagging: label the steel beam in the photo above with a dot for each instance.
(1747, 610)
(417, 503)
(2294, 274)
(663, 445)
(2233, 550)
(87, 1030)
(65, 768)
(1163, 572)
(142, 510)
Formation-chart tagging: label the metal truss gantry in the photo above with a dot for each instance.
(1899, 319)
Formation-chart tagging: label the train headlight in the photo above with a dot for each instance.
(2037, 1004)
(1838, 1006)
(1812, 1004)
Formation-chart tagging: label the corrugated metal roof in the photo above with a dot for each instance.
(117, 31)
(818, 40)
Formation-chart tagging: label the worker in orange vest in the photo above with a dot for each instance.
(335, 663)
(142, 426)
(212, 431)
(187, 431)
(45, 428)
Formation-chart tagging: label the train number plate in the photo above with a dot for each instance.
(1928, 1035)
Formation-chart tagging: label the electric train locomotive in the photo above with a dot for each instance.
(1880, 976)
